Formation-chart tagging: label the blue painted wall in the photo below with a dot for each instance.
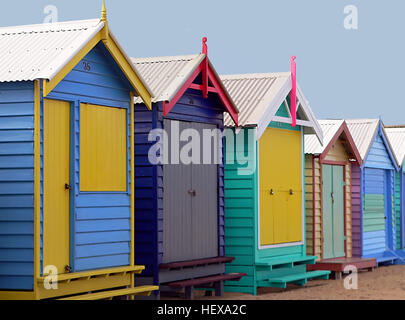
(149, 209)
(402, 222)
(100, 221)
(16, 185)
(378, 190)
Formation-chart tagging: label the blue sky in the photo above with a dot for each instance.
(343, 73)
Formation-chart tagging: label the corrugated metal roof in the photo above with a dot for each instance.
(40, 51)
(396, 137)
(329, 129)
(259, 96)
(166, 75)
(363, 132)
(252, 94)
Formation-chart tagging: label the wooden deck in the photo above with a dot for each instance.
(338, 265)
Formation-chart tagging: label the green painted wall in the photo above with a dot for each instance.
(373, 212)
(241, 215)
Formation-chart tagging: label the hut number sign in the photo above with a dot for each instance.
(86, 66)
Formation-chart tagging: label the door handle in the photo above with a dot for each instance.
(333, 197)
(68, 186)
(271, 192)
(192, 193)
(291, 192)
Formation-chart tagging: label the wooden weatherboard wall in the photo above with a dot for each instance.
(100, 225)
(17, 185)
(241, 210)
(374, 230)
(261, 263)
(398, 191)
(149, 184)
(100, 230)
(356, 210)
(314, 195)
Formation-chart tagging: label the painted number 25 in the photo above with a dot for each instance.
(86, 66)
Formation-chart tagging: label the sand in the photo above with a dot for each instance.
(384, 283)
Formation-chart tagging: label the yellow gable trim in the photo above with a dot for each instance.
(129, 72)
(119, 58)
(50, 85)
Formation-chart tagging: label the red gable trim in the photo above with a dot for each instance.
(342, 130)
(217, 88)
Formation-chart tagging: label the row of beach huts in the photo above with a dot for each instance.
(85, 213)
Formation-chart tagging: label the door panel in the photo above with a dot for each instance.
(280, 170)
(103, 148)
(333, 211)
(266, 217)
(338, 212)
(190, 205)
(374, 211)
(327, 178)
(205, 203)
(177, 220)
(56, 175)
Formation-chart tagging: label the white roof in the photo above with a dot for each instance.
(396, 137)
(363, 132)
(329, 129)
(166, 75)
(259, 96)
(40, 51)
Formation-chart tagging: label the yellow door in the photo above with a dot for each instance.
(280, 169)
(56, 175)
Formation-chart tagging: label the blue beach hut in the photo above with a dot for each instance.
(373, 193)
(66, 177)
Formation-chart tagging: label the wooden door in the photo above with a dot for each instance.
(190, 202)
(204, 182)
(333, 211)
(280, 170)
(56, 174)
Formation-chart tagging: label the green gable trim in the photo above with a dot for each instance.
(282, 112)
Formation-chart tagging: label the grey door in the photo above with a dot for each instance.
(190, 201)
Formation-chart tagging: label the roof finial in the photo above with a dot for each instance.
(205, 49)
(293, 94)
(103, 12)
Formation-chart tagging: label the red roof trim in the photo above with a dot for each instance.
(216, 87)
(345, 131)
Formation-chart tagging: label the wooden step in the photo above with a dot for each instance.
(141, 291)
(289, 260)
(298, 278)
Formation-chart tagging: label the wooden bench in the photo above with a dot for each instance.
(213, 282)
(194, 263)
(141, 291)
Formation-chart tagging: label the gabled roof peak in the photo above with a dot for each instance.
(258, 97)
